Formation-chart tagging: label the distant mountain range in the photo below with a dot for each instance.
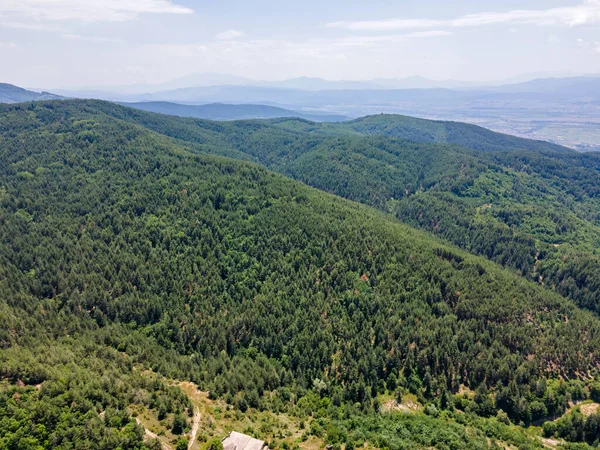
(214, 111)
(560, 110)
(299, 83)
(320, 84)
(318, 93)
(574, 86)
(417, 96)
(348, 97)
(13, 94)
(220, 111)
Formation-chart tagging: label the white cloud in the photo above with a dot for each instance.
(229, 35)
(387, 25)
(86, 10)
(426, 34)
(328, 57)
(587, 45)
(4, 44)
(240, 53)
(33, 26)
(372, 41)
(554, 39)
(99, 39)
(587, 13)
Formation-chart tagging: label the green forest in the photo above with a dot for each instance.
(139, 248)
(528, 205)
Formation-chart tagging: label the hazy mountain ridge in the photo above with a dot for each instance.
(560, 110)
(213, 80)
(221, 111)
(14, 94)
(587, 86)
(301, 83)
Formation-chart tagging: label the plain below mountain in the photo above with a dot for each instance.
(221, 111)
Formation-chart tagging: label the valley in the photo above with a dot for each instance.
(559, 110)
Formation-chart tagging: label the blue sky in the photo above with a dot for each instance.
(77, 43)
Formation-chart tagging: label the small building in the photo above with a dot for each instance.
(239, 441)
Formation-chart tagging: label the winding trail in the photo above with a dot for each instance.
(193, 436)
(195, 428)
(152, 435)
(191, 390)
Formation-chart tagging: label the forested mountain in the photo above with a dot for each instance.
(528, 205)
(126, 250)
(466, 135)
(559, 110)
(14, 94)
(222, 111)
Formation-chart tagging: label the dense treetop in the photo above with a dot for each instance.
(528, 205)
(124, 245)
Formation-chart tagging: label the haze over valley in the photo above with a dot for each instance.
(561, 110)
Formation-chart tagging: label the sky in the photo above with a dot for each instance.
(102, 43)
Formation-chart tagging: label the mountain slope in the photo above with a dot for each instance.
(528, 205)
(433, 131)
(465, 135)
(14, 94)
(395, 126)
(223, 273)
(221, 111)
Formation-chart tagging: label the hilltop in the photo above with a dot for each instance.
(13, 94)
(528, 205)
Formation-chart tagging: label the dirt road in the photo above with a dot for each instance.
(152, 435)
(195, 427)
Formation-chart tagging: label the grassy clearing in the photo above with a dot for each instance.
(218, 419)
